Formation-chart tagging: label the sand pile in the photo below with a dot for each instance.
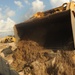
(32, 59)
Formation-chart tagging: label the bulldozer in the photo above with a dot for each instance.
(52, 29)
(8, 39)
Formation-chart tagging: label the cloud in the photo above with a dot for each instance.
(6, 12)
(1, 16)
(38, 5)
(0, 9)
(56, 3)
(18, 3)
(6, 25)
(9, 12)
(27, 2)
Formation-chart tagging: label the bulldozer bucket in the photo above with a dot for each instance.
(54, 30)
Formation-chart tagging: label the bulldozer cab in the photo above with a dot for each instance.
(54, 30)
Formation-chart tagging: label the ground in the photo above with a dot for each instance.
(29, 58)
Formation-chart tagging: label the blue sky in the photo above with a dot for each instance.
(21, 7)
(16, 11)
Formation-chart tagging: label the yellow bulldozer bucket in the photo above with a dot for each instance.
(54, 28)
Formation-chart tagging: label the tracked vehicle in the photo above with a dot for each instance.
(53, 28)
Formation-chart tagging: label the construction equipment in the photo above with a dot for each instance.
(8, 39)
(53, 28)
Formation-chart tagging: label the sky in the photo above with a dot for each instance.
(16, 11)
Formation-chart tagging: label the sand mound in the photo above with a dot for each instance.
(32, 59)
